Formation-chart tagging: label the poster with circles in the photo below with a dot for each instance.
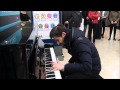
(44, 21)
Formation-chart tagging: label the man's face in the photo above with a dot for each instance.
(60, 40)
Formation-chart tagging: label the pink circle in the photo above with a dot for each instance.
(49, 15)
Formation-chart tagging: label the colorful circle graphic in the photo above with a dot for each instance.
(36, 16)
(55, 15)
(52, 25)
(49, 15)
(40, 26)
(43, 16)
(46, 25)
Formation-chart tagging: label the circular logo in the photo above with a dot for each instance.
(55, 15)
(49, 15)
(43, 15)
(46, 25)
(40, 26)
(52, 25)
(36, 16)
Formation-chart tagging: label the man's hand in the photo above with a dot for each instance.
(66, 22)
(111, 22)
(57, 66)
(103, 17)
(115, 22)
(87, 18)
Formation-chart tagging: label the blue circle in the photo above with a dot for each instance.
(52, 25)
(55, 15)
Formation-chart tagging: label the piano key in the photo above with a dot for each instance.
(49, 65)
(57, 73)
(50, 73)
(49, 76)
(49, 57)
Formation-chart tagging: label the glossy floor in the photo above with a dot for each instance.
(109, 52)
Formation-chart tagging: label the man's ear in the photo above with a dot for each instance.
(63, 34)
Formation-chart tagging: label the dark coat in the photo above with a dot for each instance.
(71, 17)
(67, 16)
(85, 57)
(84, 15)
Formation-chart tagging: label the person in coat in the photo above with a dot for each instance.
(114, 22)
(85, 61)
(93, 24)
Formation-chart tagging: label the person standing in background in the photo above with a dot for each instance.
(114, 22)
(105, 15)
(72, 19)
(93, 22)
(84, 15)
(66, 19)
(99, 26)
(24, 16)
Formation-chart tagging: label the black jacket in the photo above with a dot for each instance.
(84, 15)
(85, 57)
(24, 17)
(67, 16)
(70, 16)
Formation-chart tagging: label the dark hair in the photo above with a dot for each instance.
(57, 30)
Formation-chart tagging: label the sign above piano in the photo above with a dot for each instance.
(44, 21)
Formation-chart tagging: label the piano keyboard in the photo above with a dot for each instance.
(50, 56)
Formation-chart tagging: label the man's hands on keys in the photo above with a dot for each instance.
(57, 66)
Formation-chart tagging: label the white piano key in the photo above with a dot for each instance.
(51, 78)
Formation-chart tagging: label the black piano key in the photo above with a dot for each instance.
(49, 60)
(50, 73)
(48, 65)
(49, 76)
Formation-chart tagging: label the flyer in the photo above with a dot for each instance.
(44, 21)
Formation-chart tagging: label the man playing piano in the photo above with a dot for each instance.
(85, 61)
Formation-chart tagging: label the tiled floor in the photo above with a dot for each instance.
(109, 52)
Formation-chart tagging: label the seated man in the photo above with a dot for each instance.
(85, 61)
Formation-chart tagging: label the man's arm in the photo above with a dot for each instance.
(85, 61)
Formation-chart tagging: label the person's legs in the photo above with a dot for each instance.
(111, 27)
(94, 32)
(114, 31)
(85, 27)
(103, 28)
(90, 31)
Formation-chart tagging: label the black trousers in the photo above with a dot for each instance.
(94, 28)
(80, 76)
(85, 28)
(103, 27)
(111, 29)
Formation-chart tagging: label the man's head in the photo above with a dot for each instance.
(58, 33)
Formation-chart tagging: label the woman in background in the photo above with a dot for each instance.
(114, 22)
(93, 22)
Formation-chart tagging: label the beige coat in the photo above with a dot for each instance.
(114, 16)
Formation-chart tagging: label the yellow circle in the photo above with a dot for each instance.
(37, 16)
(43, 16)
